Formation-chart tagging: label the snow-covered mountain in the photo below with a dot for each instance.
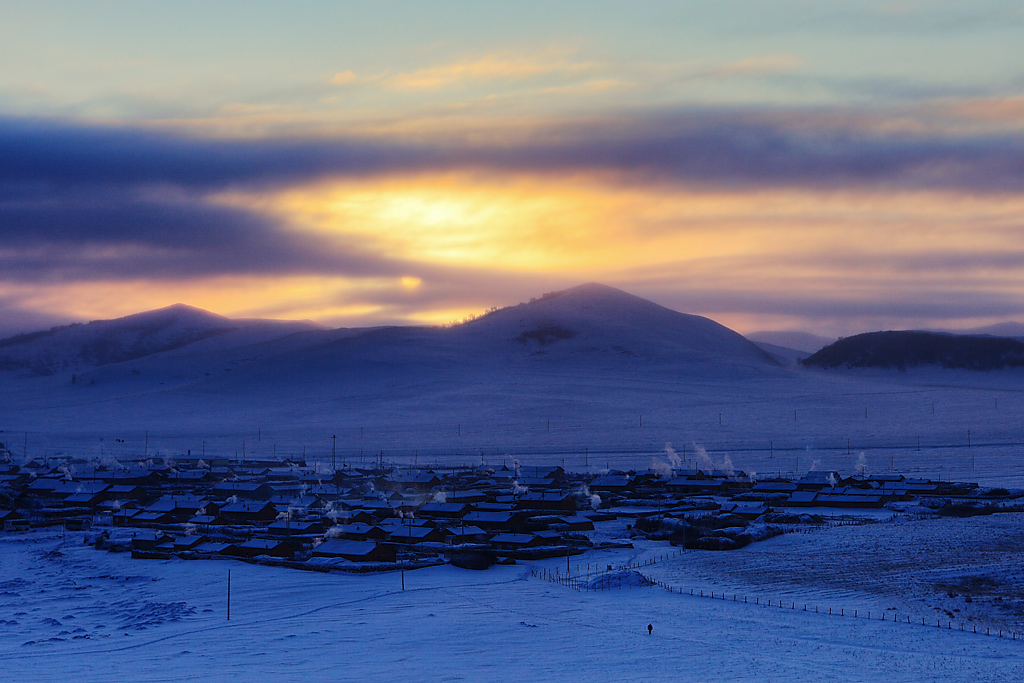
(588, 327)
(591, 369)
(591, 349)
(73, 348)
(600, 320)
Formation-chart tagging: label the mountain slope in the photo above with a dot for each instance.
(74, 348)
(591, 329)
(595, 320)
(587, 354)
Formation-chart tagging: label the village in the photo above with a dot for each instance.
(389, 517)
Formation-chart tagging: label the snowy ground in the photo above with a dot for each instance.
(969, 425)
(71, 613)
(68, 612)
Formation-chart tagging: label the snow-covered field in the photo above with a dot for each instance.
(790, 423)
(70, 612)
(632, 387)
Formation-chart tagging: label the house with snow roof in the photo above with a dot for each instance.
(272, 547)
(355, 551)
(243, 489)
(248, 512)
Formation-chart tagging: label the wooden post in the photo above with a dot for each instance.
(229, 595)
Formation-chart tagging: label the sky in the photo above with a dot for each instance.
(790, 165)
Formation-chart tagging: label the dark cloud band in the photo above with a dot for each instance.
(724, 148)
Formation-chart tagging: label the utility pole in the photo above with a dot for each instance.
(334, 445)
(147, 443)
(229, 595)
(408, 540)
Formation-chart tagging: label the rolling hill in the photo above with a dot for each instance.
(73, 348)
(588, 370)
(903, 350)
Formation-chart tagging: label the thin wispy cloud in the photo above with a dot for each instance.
(487, 69)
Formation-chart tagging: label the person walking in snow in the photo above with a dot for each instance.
(650, 629)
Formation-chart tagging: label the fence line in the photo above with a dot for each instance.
(613, 580)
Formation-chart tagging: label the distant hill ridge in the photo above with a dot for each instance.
(593, 318)
(587, 326)
(105, 342)
(903, 350)
(798, 341)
